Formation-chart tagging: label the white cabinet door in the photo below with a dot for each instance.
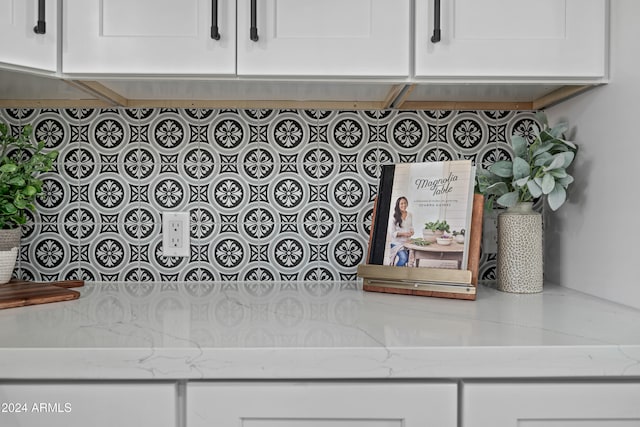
(148, 37)
(325, 38)
(551, 405)
(20, 44)
(87, 404)
(512, 38)
(321, 404)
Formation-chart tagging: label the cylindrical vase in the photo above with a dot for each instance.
(10, 238)
(520, 253)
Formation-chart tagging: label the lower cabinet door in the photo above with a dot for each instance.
(577, 404)
(87, 405)
(321, 404)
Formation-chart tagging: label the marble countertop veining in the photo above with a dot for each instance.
(273, 330)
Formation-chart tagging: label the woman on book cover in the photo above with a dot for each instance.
(401, 230)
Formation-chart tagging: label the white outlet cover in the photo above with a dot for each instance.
(167, 249)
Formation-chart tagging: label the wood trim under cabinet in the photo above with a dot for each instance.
(100, 91)
(54, 103)
(465, 105)
(394, 93)
(395, 99)
(251, 104)
(559, 95)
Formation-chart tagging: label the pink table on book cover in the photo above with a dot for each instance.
(436, 252)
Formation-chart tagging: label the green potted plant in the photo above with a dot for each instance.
(434, 229)
(21, 161)
(538, 170)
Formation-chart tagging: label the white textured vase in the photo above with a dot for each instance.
(10, 238)
(9, 248)
(7, 264)
(520, 254)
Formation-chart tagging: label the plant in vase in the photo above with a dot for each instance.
(537, 170)
(21, 161)
(458, 236)
(434, 229)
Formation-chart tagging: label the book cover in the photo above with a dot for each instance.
(423, 215)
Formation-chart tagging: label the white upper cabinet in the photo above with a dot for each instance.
(496, 39)
(150, 37)
(325, 38)
(512, 38)
(295, 37)
(21, 45)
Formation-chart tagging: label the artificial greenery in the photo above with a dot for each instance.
(437, 225)
(20, 163)
(537, 170)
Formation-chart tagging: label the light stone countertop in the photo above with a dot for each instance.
(277, 330)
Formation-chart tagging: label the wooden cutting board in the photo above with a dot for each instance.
(19, 293)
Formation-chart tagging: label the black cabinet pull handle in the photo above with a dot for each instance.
(215, 34)
(41, 26)
(253, 31)
(435, 38)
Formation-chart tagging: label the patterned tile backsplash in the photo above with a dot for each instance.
(272, 194)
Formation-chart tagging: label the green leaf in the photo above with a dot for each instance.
(17, 181)
(545, 136)
(498, 189)
(29, 191)
(542, 148)
(557, 162)
(558, 130)
(558, 173)
(536, 130)
(557, 197)
(568, 158)
(519, 183)
(502, 168)
(534, 189)
(508, 199)
(519, 145)
(542, 118)
(520, 168)
(9, 208)
(8, 168)
(565, 181)
(569, 143)
(543, 159)
(548, 183)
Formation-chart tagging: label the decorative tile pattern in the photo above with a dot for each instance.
(273, 195)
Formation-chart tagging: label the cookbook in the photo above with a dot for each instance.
(427, 218)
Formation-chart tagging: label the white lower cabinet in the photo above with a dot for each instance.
(321, 404)
(540, 404)
(87, 404)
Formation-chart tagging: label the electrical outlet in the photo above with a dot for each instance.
(175, 234)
